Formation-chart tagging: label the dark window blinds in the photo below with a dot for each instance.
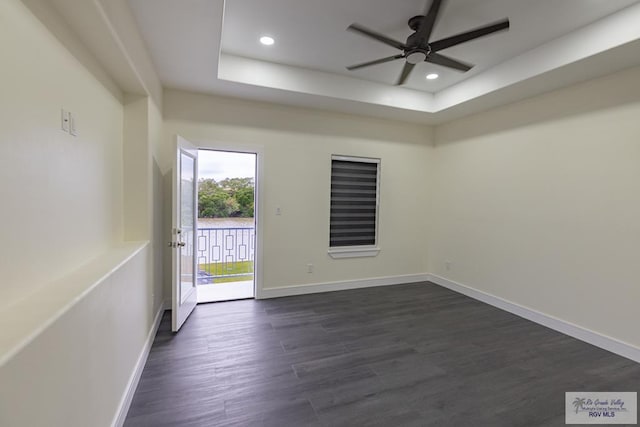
(354, 189)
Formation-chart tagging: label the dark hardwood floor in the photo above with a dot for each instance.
(409, 355)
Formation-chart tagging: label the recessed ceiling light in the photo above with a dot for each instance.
(267, 41)
(432, 76)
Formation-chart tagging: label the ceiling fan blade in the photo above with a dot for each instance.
(374, 35)
(436, 58)
(469, 35)
(376, 62)
(406, 70)
(429, 21)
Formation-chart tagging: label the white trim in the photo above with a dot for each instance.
(599, 340)
(355, 159)
(258, 150)
(314, 288)
(354, 252)
(134, 379)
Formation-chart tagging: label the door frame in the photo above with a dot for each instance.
(259, 210)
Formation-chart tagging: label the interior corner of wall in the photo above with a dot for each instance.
(130, 98)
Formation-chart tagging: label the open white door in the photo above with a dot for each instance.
(184, 228)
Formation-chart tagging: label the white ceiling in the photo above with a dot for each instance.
(312, 34)
(212, 46)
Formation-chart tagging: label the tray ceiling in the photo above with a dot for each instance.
(212, 46)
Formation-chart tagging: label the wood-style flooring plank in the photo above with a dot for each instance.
(415, 354)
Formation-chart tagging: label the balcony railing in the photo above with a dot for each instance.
(225, 253)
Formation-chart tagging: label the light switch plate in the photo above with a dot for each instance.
(64, 120)
(72, 125)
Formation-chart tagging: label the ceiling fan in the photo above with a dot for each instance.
(418, 48)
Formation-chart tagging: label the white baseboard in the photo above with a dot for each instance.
(134, 379)
(599, 340)
(315, 288)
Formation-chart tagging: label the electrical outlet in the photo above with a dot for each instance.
(309, 268)
(278, 211)
(64, 120)
(447, 265)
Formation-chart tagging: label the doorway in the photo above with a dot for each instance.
(226, 225)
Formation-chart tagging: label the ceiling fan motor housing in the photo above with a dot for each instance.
(418, 48)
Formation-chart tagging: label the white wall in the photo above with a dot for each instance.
(61, 195)
(297, 146)
(143, 189)
(78, 303)
(158, 212)
(539, 203)
(143, 194)
(76, 370)
(136, 169)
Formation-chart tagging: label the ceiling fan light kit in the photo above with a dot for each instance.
(416, 56)
(418, 47)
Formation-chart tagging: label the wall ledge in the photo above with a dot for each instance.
(31, 315)
(583, 334)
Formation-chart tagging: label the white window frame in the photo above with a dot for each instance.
(361, 251)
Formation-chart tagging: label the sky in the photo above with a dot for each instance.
(224, 164)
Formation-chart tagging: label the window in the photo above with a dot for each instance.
(354, 207)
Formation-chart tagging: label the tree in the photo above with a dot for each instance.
(231, 197)
(244, 196)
